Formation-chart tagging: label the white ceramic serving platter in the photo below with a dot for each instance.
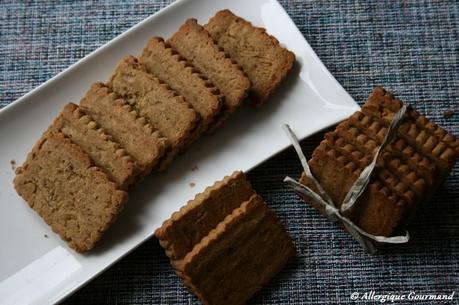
(36, 267)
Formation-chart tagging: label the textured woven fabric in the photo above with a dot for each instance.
(410, 47)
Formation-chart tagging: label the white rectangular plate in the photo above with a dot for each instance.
(33, 259)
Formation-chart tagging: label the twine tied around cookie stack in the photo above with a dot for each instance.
(323, 199)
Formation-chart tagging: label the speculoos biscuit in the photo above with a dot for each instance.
(260, 55)
(59, 181)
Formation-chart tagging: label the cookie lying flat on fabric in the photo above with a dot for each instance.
(194, 43)
(408, 170)
(238, 257)
(226, 243)
(159, 59)
(107, 154)
(125, 125)
(199, 216)
(168, 112)
(59, 181)
(261, 57)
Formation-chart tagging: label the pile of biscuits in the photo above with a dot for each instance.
(408, 170)
(226, 243)
(153, 107)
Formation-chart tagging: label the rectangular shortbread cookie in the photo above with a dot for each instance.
(238, 257)
(125, 125)
(187, 227)
(103, 150)
(164, 63)
(59, 181)
(194, 43)
(260, 55)
(168, 112)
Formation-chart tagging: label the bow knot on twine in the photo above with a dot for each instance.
(321, 197)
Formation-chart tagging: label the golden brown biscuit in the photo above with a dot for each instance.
(238, 257)
(226, 243)
(194, 43)
(261, 57)
(103, 150)
(160, 60)
(125, 125)
(199, 216)
(74, 197)
(168, 112)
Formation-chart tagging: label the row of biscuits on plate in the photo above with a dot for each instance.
(154, 106)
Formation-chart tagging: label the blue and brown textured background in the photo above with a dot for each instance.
(410, 47)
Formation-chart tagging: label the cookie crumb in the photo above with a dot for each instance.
(13, 164)
(448, 113)
(46, 235)
(192, 184)
(194, 168)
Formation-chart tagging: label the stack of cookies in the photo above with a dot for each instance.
(408, 170)
(225, 244)
(151, 109)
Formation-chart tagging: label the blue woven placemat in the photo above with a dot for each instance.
(410, 47)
